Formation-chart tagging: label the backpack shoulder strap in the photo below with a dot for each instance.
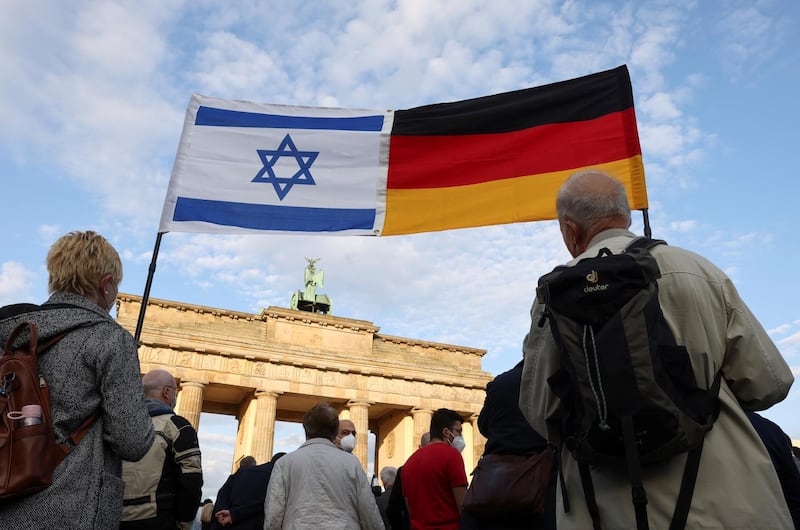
(13, 310)
(17, 309)
(644, 242)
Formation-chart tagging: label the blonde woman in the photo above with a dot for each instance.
(93, 369)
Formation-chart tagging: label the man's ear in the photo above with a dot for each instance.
(572, 233)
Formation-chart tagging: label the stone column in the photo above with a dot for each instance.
(478, 440)
(190, 402)
(264, 427)
(359, 415)
(422, 422)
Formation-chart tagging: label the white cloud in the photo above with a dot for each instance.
(229, 66)
(660, 106)
(749, 37)
(15, 283)
(780, 330)
(790, 346)
(683, 226)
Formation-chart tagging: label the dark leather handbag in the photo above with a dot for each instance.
(509, 484)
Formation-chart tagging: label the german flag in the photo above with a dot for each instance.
(501, 159)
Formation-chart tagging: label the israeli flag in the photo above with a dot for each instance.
(245, 167)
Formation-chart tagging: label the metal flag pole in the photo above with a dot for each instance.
(647, 232)
(146, 296)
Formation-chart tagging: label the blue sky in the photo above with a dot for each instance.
(94, 93)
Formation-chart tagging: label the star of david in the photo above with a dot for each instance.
(283, 185)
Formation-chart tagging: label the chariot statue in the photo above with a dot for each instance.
(307, 298)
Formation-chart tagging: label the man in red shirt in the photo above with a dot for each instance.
(434, 479)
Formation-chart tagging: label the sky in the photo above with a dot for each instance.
(93, 97)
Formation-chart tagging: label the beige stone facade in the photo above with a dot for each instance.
(274, 366)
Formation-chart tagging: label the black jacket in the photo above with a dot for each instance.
(243, 494)
(779, 447)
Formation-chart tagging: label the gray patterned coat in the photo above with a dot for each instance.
(92, 368)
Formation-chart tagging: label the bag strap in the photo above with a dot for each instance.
(588, 493)
(681, 513)
(560, 471)
(643, 242)
(638, 494)
(65, 448)
(689, 479)
(14, 310)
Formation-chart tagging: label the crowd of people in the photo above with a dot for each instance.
(139, 464)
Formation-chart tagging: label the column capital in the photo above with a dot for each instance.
(474, 417)
(267, 393)
(420, 410)
(360, 403)
(189, 402)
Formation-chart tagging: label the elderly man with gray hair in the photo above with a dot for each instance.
(388, 475)
(708, 317)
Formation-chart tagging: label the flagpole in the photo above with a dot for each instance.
(146, 296)
(646, 218)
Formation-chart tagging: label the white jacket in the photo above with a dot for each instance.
(320, 486)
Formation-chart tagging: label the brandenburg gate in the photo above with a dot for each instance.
(274, 366)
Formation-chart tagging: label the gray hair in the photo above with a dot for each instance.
(583, 197)
(388, 474)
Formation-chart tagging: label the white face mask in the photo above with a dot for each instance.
(348, 443)
(458, 443)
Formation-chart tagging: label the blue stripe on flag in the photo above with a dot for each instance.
(267, 217)
(211, 116)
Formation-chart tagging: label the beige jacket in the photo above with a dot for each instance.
(737, 486)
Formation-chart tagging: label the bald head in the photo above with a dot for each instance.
(160, 385)
(588, 203)
(425, 439)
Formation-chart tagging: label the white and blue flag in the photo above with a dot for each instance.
(249, 167)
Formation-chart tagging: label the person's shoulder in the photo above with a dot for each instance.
(764, 426)
(672, 259)
(412, 460)
(180, 422)
(438, 452)
(514, 375)
(261, 468)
